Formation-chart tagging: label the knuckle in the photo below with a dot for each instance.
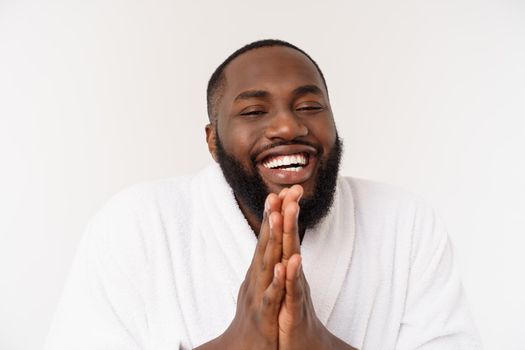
(266, 300)
(248, 299)
(254, 318)
(264, 265)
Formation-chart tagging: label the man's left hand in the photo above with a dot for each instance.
(299, 327)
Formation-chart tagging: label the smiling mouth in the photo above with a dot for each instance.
(286, 166)
(291, 162)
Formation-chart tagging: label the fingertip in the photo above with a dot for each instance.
(277, 271)
(298, 188)
(274, 202)
(292, 209)
(294, 267)
(283, 192)
(297, 259)
(279, 274)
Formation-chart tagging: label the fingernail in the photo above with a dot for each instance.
(271, 224)
(276, 271)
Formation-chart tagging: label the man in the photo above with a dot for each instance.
(270, 251)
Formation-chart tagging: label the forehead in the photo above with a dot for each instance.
(268, 67)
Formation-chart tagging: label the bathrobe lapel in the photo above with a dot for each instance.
(229, 239)
(327, 251)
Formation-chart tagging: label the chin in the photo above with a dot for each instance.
(252, 184)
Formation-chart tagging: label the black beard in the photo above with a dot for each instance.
(250, 189)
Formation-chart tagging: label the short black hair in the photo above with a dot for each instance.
(216, 82)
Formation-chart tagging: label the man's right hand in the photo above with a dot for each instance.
(255, 323)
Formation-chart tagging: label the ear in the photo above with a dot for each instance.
(211, 134)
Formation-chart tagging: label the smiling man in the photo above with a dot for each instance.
(272, 127)
(269, 249)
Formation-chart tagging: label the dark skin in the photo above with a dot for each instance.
(264, 101)
(272, 94)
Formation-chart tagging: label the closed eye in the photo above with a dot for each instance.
(253, 110)
(309, 107)
(247, 113)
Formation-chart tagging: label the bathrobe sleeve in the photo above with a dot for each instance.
(436, 315)
(102, 305)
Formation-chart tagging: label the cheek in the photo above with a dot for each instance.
(242, 145)
(238, 142)
(325, 132)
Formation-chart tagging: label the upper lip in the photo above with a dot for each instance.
(285, 150)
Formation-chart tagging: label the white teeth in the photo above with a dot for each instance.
(287, 160)
(293, 168)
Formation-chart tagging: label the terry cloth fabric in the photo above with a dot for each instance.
(160, 266)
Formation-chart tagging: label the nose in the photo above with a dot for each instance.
(286, 125)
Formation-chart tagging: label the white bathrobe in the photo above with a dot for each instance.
(160, 268)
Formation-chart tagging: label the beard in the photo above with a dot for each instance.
(250, 189)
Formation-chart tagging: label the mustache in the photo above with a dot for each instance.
(269, 146)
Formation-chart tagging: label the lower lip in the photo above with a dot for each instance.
(288, 177)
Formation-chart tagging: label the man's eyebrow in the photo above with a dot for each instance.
(308, 89)
(252, 94)
(301, 90)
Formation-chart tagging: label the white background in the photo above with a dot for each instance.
(98, 95)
